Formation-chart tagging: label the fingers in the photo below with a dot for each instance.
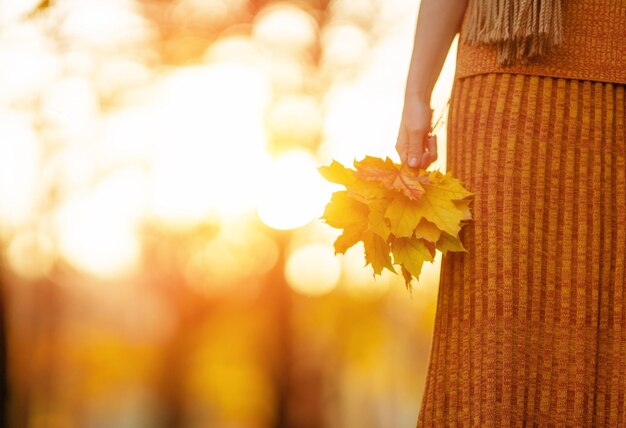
(414, 145)
(431, 155)
(416, 148)
(415, 153)
(402, 145)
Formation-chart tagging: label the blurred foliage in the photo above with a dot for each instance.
(163, 260)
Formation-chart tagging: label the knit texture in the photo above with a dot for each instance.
(593, 45)
(530, 325)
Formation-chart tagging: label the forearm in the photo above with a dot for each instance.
(438, 23)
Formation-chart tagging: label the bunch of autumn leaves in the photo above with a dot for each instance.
(401, 215)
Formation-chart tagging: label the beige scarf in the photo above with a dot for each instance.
(519, 29)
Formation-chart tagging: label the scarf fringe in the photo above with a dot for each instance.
(520, 29)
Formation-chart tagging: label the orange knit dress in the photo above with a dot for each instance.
(530, 326)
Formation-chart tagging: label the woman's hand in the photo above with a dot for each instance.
(415, 147)
(438, 22)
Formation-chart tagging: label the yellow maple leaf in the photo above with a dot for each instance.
(391, 175)
(350, 236)
(404, 214)
(463, 205)
(450, 243)
(446, 183)
(427, 230)
(437, 208)
(343, 211)
(377, 222)
(366, 191)
(411, 253)
(407, 277)
(377, 253)
(337, 173)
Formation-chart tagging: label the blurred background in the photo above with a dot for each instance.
(162, 259)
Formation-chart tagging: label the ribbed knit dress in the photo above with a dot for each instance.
(530, 325)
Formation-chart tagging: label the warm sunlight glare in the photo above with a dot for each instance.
(70, 110)
(358, 280)
(96, 231)
(360, 121)
(344, 45)
(28, 62)
(313, 269)
(19, 168)
(294, 193)
(163, 257)
(13, 9)
(295, 120)
(211, 149)
(99, 24)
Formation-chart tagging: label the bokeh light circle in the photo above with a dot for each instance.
(31, 254)
(294, 193)
(97, 231)
(285, 27)
(313, 269)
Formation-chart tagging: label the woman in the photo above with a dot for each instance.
(530, 327)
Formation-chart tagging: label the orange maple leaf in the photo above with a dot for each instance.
(392, 176)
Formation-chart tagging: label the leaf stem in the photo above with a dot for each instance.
(440, 121)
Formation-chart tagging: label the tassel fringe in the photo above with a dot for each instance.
(521, 30)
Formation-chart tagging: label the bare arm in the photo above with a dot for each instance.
(438, 23)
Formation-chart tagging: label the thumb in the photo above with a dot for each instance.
(416, 148)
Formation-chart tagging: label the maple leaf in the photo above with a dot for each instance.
(377, 222)
(463, 205)
(377, 252)
(411, 253)
(448, 242)
(437, 207)
(407, 277)
(337, 173)
(392, 176)
(448, 185)
(343, 211)
(350, 236)
(427, 230)
(432, 247)
(367, 191)
(403, 215)
(397, 212)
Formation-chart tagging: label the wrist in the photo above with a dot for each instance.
(417, 96)
(421, 96)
